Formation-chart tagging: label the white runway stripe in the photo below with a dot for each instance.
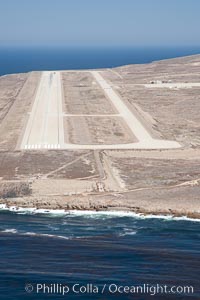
(39, 146)
(45, 125)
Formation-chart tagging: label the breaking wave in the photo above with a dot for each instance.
(15, 231)
(93, 214)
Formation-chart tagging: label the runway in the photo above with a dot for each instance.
(145, 140)
(45, 124)
(45, 129)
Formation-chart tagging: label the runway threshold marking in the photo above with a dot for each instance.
(45, 129)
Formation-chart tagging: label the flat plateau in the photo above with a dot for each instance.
(126, 138)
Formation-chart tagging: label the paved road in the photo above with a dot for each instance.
(45, 125)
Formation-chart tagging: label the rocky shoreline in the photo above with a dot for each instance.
(99, 203)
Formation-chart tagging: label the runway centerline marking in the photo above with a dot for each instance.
(45, 129)
(45, 124)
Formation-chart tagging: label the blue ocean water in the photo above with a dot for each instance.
(96, 249)
(18, 60)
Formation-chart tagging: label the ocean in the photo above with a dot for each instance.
(56, 255)
(19, 60)
(76, 249)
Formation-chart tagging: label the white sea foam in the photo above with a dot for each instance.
(45, 235)
(15, 231)
(12, 230)
(28, 210)
(97, 214)
(94, 214)
(128, 232)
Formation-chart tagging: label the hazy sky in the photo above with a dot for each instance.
(100, 22)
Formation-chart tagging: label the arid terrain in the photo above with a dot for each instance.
(126, 138)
